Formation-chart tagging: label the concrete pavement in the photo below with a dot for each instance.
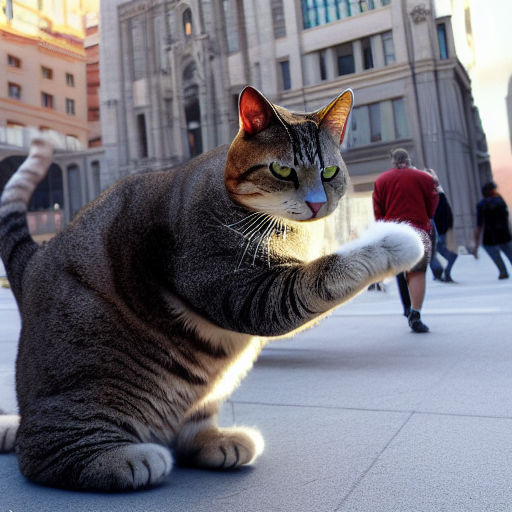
(358, 414)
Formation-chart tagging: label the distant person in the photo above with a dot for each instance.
(443, 220)
(492, 219)
(406, 194)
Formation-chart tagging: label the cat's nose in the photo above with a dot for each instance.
(315, 207)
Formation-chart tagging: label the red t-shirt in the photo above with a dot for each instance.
(405, 195)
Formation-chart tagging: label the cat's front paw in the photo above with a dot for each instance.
(223, 448)
(402, 243)
(388, 248)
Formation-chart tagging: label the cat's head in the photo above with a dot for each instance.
(285, 163)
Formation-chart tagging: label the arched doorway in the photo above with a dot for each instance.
(46, 206)
(192, 110)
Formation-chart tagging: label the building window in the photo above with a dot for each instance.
(14, 91)
(388, 48)
(14, 134)
(143, 138)
(320, 12)
(187, 22)
(138, 47)
(322, 64)
(70, 106)
(377, 122)
(345, 59)
(46, 72)
(231, 25)
(13, 61)
(46, 100)
(278, 20)
(385, 2)
(441, 37)
(366, 45)
(70, 80)
(286, 81)
(366, 5)
(400, 119)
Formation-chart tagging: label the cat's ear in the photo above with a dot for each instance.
(255, 111)
(333, 117)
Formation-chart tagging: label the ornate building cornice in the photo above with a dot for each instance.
(420, 13)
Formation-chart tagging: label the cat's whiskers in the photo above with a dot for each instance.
(265, 235)
(252, 236)
(241, 221)
(249, 237)
(254, 226)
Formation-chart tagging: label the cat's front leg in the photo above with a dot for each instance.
(202, 443)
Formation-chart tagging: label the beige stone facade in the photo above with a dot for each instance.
(173, 70)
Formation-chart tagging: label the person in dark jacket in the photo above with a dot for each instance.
(492, 219)
(443, 219)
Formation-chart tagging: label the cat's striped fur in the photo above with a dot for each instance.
(143, 314)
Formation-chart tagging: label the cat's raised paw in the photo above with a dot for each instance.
(131, 466)
(224, 448)
(402, 243)
(389, 247)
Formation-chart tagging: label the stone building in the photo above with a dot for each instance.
(42, 89)
(171, 71)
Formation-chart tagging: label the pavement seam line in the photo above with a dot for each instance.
(370, 467)
(360, 409)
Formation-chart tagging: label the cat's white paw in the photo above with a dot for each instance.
(9, 424)
(129, 466)
(395, 247)
(223, 448)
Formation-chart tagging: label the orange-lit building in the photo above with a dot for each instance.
(44, 88)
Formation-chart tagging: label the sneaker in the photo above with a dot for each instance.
(447, 279)
(503, 276)
(415, 322)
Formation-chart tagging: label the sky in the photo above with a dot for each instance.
(490, 77)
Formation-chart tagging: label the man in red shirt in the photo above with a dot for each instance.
(406, 194)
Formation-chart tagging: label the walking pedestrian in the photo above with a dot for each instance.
(406, 194)
(492, 220)
(443, 220)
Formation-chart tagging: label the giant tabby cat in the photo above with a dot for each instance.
(142, 315)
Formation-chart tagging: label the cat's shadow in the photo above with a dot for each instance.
(280, 359)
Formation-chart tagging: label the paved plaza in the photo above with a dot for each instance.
(358, 414)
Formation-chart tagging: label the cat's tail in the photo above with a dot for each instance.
(16, 243)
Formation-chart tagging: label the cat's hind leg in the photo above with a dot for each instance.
(202, 443)
(126, 467)
(9, 424)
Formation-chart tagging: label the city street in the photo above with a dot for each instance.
(358, 414)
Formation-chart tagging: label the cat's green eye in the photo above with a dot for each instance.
(283, 173)
(329, 172)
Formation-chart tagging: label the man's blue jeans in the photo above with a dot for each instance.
(450, 257)
(494, 252)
